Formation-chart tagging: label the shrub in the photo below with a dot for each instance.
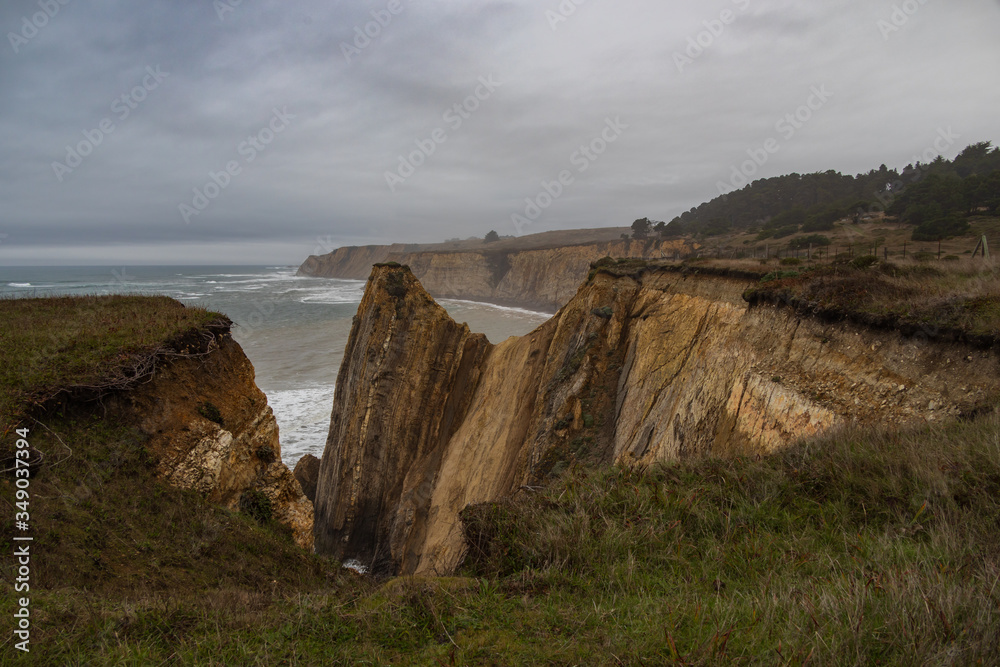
(265, 454)
(864, 261)
(211, 413)
(790, 261)
(605, 313)
(256, 504)
(941, 228)
(811, 239)
(779, 275)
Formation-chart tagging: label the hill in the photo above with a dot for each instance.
(932, 197)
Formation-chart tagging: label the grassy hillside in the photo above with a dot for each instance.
(863, 547)
(107, 532)
(52, 344)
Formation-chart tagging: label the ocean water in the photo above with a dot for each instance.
(293, 329)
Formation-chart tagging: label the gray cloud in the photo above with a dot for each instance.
(324, 175)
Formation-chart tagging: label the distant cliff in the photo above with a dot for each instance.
(638, 367)
(528, 276)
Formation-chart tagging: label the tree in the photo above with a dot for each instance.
(492, 237)
(640, 228)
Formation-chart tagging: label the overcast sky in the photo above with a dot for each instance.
(311, 117)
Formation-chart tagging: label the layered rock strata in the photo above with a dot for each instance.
(429, 417)
(542, 278)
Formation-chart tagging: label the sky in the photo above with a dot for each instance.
(263, 131)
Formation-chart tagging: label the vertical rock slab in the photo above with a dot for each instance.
(408, 374)
(642, 365)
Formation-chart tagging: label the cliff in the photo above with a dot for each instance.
(530, 274)
(211, 430)
(656, 365)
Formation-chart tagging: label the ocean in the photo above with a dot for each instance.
(293, 329)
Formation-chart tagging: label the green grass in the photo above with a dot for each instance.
(860, 548)
(53, 343)
(108, 533)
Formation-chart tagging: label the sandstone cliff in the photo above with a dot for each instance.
(212, 431)
(653, 366)
(543, 278)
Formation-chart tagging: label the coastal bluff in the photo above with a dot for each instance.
(211, 430)
(644, 365)
(540, 271)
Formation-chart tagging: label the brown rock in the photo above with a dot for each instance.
(180, 410)
(307, 474)
(544, 277)
(429, 418)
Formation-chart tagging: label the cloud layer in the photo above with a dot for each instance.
(258, 132)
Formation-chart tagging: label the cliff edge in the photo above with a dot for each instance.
(640, 366)
(527, 272)
(211, 430)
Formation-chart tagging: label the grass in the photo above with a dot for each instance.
(50, 344)
(861, 548)
(107, 532)
(959, 299)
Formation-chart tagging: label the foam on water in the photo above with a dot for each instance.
(303, 420)
(292, 328)
(493, 306)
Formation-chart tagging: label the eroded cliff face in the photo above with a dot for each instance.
(544, 278)
(180, 410)
(656, 366)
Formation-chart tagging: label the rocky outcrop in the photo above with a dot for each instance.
(307, 474)
(654, 366)
(542, 278)
(212, 431)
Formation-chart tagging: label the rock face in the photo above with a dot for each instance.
(307, 474)
(213, 432)
(656, 366)
(543, 278)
